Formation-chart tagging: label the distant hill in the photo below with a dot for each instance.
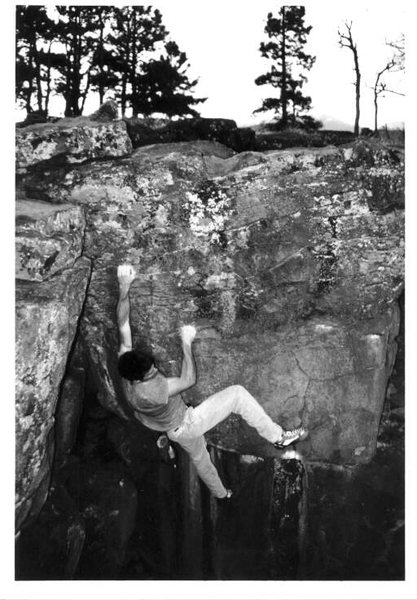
(330, 122)
(333, 124)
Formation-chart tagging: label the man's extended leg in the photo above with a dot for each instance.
(234, 399)
(198, 452)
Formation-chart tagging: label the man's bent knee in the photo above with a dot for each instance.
(237, 389)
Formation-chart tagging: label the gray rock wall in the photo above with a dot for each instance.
(288, 262)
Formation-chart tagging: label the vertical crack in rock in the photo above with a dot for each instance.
(75, 342)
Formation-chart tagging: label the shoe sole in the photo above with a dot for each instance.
(299, 439)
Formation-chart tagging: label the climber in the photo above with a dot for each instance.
(156, 403)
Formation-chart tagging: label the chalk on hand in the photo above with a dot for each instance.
(189, 329)
(188, 333)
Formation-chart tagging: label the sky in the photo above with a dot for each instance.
(222, 38)
(222, 41)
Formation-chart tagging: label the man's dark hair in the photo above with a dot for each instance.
(134, 364)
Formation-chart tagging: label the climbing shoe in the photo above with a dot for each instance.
(290, 437)
(225, 499)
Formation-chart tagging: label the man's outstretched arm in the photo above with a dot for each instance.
(125, 274)
(188, 376)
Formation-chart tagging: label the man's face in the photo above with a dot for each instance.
(151, 373)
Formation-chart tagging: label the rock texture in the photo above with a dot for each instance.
(49, 238)
(70, 141)
(287, 263)
(46, 321)
(290, 264)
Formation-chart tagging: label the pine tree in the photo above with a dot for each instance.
(288, 36)
(102, 73)
(136, 34)
(34, 35)
(97, 48)
(148, 84)
(165, 83)
(77, 31)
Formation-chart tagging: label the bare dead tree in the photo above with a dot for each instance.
(395, 64)
(379, 88)
(346, 41)
(398, 47)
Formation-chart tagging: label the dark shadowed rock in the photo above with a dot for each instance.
(108, 111)
(107, 503)
(356, 515)
(57, 554)
(145, 131)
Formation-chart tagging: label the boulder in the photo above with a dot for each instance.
(289, 263)
(70, 141)
(47, 316)
(147, 131)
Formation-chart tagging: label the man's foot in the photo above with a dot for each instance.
(225, 499)
(290, 437)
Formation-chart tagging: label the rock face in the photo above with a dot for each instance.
(70, 141)
(290, 264)
(46, 320)
(49, 238)
(285, 262)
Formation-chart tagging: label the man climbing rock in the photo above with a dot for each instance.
(157, 404)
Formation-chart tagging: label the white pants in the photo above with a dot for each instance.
(198, 420)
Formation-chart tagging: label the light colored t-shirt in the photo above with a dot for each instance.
(149, 399)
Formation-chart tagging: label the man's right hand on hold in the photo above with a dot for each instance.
(188, 333)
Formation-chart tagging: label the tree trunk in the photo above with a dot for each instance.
(123, 95)
(69, 67)
(100, 62)
(377, 91)
(358, 91)
(76, 91)
(48, 80)
(38, 80)
(376, 103)
(84, 95)
(30, 86)
(284, 117)
(133, 81)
